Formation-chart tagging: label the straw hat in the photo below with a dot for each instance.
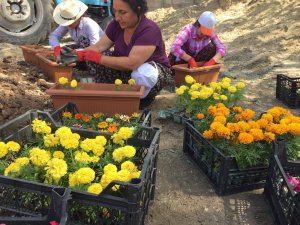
(68, 11)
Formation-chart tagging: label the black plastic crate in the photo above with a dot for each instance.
(220, 169)
(128, 206)
(288, 90)
(284, 202)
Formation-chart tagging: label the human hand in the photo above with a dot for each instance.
(192, 63)
(56, 52)
(210, 62)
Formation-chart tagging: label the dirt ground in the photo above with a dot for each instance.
(263, 40)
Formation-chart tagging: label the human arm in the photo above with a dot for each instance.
(93, 30)
(57, 34)
(102, 45)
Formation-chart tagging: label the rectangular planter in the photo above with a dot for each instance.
(203, 75)
(284, 202)
(288, 90)
(53, 70)
(220, 169)
(30, 51)
(99, 97)
(29, 203)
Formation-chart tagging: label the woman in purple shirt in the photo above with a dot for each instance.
(139, 50)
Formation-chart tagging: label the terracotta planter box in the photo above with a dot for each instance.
(30, 51)
(203, 75)
(98, 97)
(53, 70)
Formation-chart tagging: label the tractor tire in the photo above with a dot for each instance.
(25, 22)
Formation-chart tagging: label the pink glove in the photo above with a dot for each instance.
(210, 62)
(88, 55)
(56, 52)
(192, 63)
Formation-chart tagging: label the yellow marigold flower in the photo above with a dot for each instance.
(124, 176)
(184, 87)
(226, 80)
(58, 154)
(13, 146)
(63, 80)
(129, 151)
(220, 119)
(63, 131)
(237, 109)
(216, 96)
(70, 141)
(74, 83)
(179, 91)
(245, 138)
(117, 139)
(40, 127)
(85, 175)
(125, 133)
(294, 128)
(107, 178)
(194, 87)
(50, 140)
(82, 157)
(3, 149)
(95, 188)
(189, 79)
(135, 115)
(73, 179)
(101, 140)
(110, 168)
(269, 136)
(87, 144)
(131, 81)
(248, 114)
(118, 154)
(208, 134)
(136, 174)
(12, 170)
(56, 168)
(102, 125)
(67, 114)
(257, 134)
(240, 85)
(279, 128)
(200, 116)
(94, 159)
(128, 165)
(223, 97)
(98, 150)
(39, 157)
(225, 85)
(118, 82)
(23, 161)
(232, 89)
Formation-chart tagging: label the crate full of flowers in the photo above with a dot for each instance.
(233, 146)
(53, 173)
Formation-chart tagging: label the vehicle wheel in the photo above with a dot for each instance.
(26, 21)
(105, 22)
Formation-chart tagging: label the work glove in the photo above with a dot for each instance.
(192, 63)
(56, 52)
(210, 62)
(91, 55)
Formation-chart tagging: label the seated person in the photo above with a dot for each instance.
(198, 42)
(84, 31)
(139, 50)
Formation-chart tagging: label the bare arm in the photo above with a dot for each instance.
(102, 45)
(137, 56)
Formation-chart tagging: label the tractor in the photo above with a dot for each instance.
(31, 21)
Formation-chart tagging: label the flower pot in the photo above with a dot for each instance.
(99, 97)
(53, 70)
(30, 51)
(203, 75)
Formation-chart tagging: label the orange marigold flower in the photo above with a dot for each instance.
(214, 126)
(208, 134)
(220, 119)
(112, 129)
(225, 111)
(267, 117)
(200, 116)
(245, 138)
(257, 134)
(243, 126)
(220, 105)
(67, 115)
(211, 109)
(97, 115)
(248, 114)
(233, 127)
(294, 128)
(102, 125)
(269, 136)
(254, 124)
(86, 118)
(238, 117)
(224, 132)
(263, 123)
(78, 116)
(237, 109)
(279, 128)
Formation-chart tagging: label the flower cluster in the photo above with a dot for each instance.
(66, 159)
(194, 97)
(118, 82)
(100, 122)
(238, 132)
(294, 182)
(65, 82)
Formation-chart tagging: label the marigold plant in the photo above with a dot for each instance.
(241, 133)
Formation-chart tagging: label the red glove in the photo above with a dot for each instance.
(56, 52)
(192, 62)
(89, 55)
(210, 62)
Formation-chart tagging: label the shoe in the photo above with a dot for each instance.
(145, 103)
